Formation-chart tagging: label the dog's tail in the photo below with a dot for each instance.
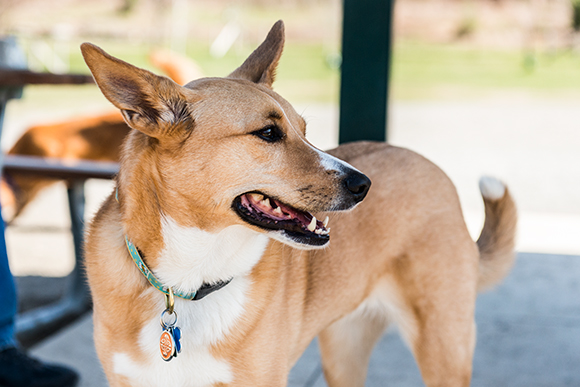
(497, 240)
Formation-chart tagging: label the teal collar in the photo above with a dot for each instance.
(151, 277)
(198, 294)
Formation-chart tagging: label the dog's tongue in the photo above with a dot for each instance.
(279, 211)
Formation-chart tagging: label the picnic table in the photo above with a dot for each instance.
(13, 77)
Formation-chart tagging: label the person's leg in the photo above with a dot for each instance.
(7, 297)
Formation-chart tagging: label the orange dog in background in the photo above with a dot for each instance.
(215, 229)
(95, 137)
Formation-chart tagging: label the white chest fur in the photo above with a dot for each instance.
(190, 258)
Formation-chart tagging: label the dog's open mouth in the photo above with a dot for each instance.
(268, 213)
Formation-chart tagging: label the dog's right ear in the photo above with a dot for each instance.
(152, 104)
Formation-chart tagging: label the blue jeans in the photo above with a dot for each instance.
(7, 296)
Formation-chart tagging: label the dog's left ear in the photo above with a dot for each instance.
(152, 104)
(260, 67)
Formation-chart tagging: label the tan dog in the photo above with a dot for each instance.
(95, 137)
(98, 137)
(218, 183)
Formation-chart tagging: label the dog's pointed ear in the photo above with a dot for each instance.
(260, 67)
(152, 104)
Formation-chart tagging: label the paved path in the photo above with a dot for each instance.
(533, 145)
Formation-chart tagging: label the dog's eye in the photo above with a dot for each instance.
(270, 134)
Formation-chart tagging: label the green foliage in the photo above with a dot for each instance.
(575, 14)
(423, 70)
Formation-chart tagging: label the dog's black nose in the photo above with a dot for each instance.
(358, 185)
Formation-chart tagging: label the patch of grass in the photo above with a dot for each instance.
(426, 71)
(419, 70)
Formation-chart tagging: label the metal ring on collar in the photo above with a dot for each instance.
(163, 323)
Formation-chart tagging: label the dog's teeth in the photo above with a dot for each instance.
(266, 202)
(321, 231)
(312, 225)
(325, 223)
(256, 197)
(278, 211)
